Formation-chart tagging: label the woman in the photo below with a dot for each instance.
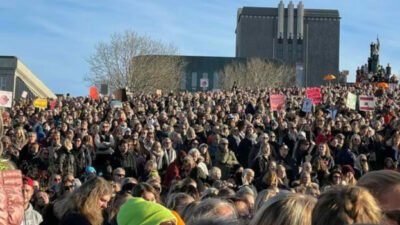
(346, 205)
(85, 205)
(283, 181)
(205, 154)
(324, 154)
(262, 161)
(361, 166)
(292, 209)
(147, 192)
(348, 173)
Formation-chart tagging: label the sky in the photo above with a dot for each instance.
(54, 38)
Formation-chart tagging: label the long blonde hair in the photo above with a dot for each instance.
(294, 209)
(346, 205)
(85, 199)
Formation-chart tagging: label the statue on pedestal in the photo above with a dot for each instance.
(375, 56)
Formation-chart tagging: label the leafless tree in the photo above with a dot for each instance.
(136, 62)
(257, 72)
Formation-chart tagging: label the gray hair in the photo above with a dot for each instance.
(208, 209)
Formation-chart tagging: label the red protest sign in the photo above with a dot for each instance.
(53, 104)
(93, 93)
(277, 102)
(314, 94)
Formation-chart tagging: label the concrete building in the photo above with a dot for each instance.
(305, 38)
(16, 77)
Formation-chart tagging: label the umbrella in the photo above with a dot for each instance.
(383, 85)
(329, 77)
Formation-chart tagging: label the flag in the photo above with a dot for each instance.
(93, 93)
(367, 103)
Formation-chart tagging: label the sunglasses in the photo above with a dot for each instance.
(67, 188)
(120, 175)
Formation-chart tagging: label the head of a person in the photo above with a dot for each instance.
(123, 146)
(27, 189)
(41, 198)
(145, 191)
(177, 201)
(137, 211)
(213, 208)
(346, 205)
(215, 173)
(247, 176)
(284, 151)
(292, 209)
(89, 200)
(118, 175)
(384, 185)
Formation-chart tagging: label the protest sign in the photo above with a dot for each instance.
(277, 102)
(5, 99)
(40, 103)
(93, 93)
(314, 94)
(351, 101)
(307, 105)
(367, 103)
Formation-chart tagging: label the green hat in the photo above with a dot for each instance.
(137, 211)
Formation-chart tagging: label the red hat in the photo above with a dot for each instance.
(347, 168)
(28, 181)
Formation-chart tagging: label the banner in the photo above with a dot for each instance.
(204, 82)
(314, 93)
(93, 93)
(367, 103)
(307, 105)
(277, 102)
(53, 104)
(40, 103)
(24, 94)
(116, 104)
(5, 99)
(351, 101)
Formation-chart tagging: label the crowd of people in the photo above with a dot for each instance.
(208, 158)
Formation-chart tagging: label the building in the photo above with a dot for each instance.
(305, 38)
(17, 78)
(201, 70)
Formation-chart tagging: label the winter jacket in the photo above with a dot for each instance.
(225, 161)
(31, 217)
(75, 219)
(12, 202)
(67, 162)
(127, 161)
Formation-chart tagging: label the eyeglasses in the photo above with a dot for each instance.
(120, 175)
(68, 187)
(57, 179)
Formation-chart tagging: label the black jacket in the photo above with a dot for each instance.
(127, 161)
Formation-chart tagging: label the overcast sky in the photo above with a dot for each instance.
(54, 38)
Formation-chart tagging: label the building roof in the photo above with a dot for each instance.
(268, 11)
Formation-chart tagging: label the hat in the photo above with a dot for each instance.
(137, 211)
(90, 169)
(301, 135)
(28, 181)
(347, 168)
(203, 145)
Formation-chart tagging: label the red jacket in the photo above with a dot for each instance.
(11, 200)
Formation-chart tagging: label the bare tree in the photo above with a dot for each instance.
(135, 61)
(257, 72)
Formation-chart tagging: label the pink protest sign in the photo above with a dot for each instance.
(277, 102)
(314, 94)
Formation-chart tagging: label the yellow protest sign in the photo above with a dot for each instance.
(40, 103)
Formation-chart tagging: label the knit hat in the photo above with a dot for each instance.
(137, 211)
(28, 181)
(90, 169)
(347, 168)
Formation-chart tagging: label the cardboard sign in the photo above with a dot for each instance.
(158, 92)
(24, 94)
(367, 103)
(5, 99)
(307, 105)
(277, 102)
(93, 93)
(314, 94)
(351, 101)
(120, 95)
(40, 103)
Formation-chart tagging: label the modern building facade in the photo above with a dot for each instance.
(305, 38)
(17, 78)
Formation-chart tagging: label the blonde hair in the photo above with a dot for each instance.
(346, 205)
(294, 209)
(379, 182)
(263, 196)
(85, 199)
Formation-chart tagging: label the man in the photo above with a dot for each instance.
(104, 141)
(31, 216)
(225, 159)
(125, 159)
(118, 175)
(82, 155)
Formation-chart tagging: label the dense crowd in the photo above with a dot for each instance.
(209, 158)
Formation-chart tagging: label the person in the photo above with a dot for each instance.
(384, 185)
(125, 159)
(105, 144)
(346, 205)
(118, 175)
(31, 216)
(285, 209)
(137, 211)
(147, 192)
(66, 160)
(225, 159)
(260, 165)
(213, 208)
(86, 204)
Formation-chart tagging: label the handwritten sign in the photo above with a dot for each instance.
(314, 94)
(277, 102)
(351, 101)
(307, 105)
(40, 103)
(5, 99)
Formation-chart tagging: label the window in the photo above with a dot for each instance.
(3, 83)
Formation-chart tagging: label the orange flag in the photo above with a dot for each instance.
(93, 93)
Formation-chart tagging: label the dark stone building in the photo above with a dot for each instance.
(305, 38)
